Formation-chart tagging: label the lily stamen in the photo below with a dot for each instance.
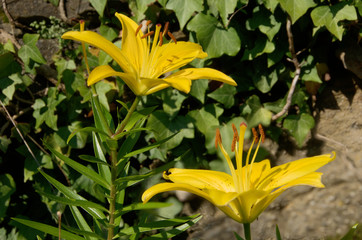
(235, 138)
(166, 28)
(148, 22)
(261, 132)
(172, 37)
(148, 34)
(161, 39)
(138, 29)
(255, 134)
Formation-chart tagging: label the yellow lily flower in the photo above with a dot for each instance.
(247, 192)
(143, 62)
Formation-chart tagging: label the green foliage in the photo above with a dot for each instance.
(245, 40)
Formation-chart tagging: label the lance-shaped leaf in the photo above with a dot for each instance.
(141, 206)
(80, 168)
(49, 229)
(94, 212)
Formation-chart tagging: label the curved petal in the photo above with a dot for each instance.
(202, 179)
(262, 204)
(202, 73)
(157, 84)
(214, 196)
(171, 56)
(313, 179)
(248, 201)
(133, 47)
(288, 172)
(105, 71)
(102, 43)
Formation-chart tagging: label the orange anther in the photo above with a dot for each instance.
(262, 134)
(217, 138)
(165, 28)
(138, 28)
(148, 22)
(148, 34)
(172, 37)
(255, 134)
(243, 124)
(161, 39)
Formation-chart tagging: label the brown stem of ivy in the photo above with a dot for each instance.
(297, 66)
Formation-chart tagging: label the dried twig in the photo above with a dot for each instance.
(232, 15)
(295, 61)
(61, 9)
(20, 134)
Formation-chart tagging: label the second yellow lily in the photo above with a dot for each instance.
(249, 190)
(144, 62)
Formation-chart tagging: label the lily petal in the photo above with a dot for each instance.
(171, 56)
(157, 84)
(291, 171)
(202, 73)
(105, 71)
(133, 47)
(102, 43)
(202, 179)
(215, 197)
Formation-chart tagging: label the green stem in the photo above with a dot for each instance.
(247, 232)
(128, 116)
(98, 110)
(112, 194)
(114, 161)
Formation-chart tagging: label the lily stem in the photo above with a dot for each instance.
(112, 194)
(98, 110)
(247, 232)
(114, 161)
(128, 116)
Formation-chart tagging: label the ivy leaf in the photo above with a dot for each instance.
(99, 6)
(264, 21)
(163, 126)
(296, 8)
(185, 9)
(215, 39)
(203, 119)
(7, 188)
(198, 89)
(138, 8)
(29, 52)
(8, 85)
(45, 112)
(172, 101)
(258, 114)
(260, 46)
(224, 95)
(264, 81)
(299, 126)
(330, 16)
(224, 8)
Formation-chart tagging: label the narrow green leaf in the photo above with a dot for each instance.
(73, 202)
(81, 222)
(149, 147)
(350, 234)
(95, 213)
(86, 129)
(103, 170)
(277, 233)
(92, 159)
(86, 234)
(80, 168)
(49, 229)
(173, 232)
(145, 227)
(141, 206)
